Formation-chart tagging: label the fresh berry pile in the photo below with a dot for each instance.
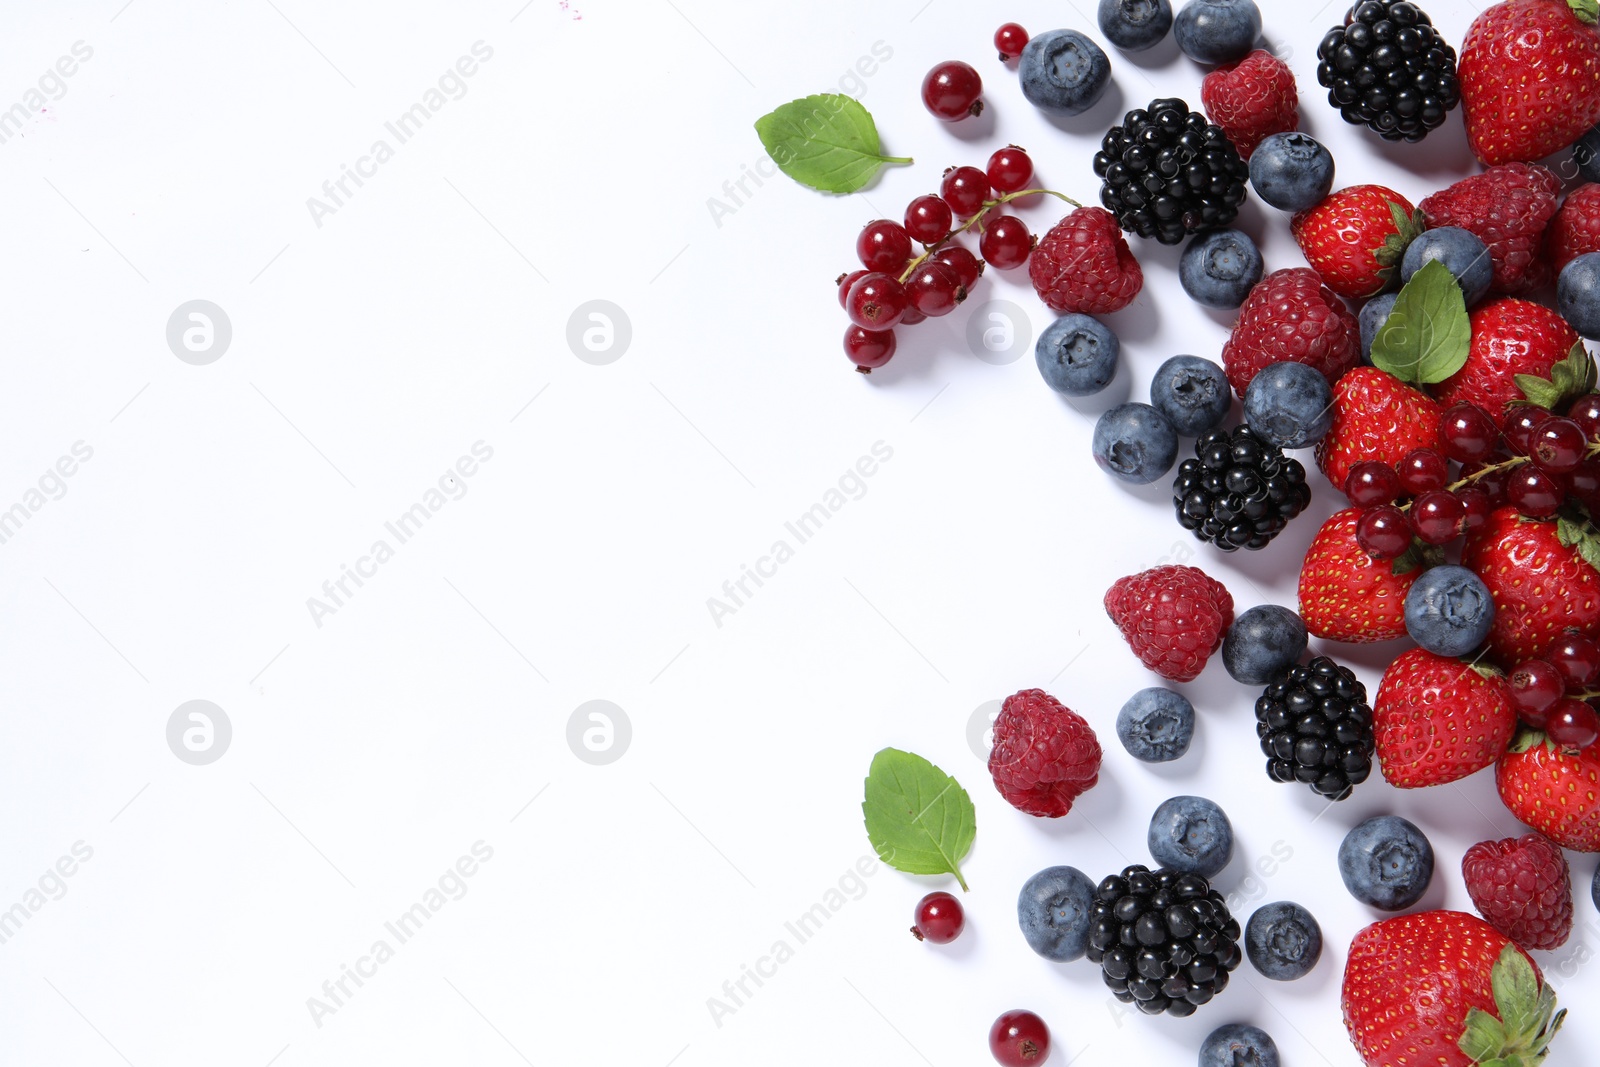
(1431, 357)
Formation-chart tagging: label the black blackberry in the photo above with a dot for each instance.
(1387, 68)
(1167, 172)
(1164, 939)
(1239, 491)
(1315, 727)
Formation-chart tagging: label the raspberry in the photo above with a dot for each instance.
(1507, 207)
(1520, 885)
(1045, 754)
(1576, 227)
(1084, 265)
(1173, 618)
(1252, 99)
(1291, 315)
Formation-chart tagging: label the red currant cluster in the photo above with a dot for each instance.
(895, 288)
(1535, 461)
(1552, 693)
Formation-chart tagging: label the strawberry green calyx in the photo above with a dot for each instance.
(1581, 535)
(1587, 10)
(1569, 379)
(1520, 1037)
(1408, 226)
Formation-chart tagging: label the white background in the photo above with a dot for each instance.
(426, 314)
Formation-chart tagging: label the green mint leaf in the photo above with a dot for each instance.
(1426, 337)
(919, 819)
(827, 141)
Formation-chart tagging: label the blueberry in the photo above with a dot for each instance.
(1219, 268)
(1193, 394)
(1386, 862)
(1156, 725)
(1238, 1045)
(1134, 25)
(1055, 909)
(1461, 251)
(1291, 171)
(1191, 834)
(1077, 355)
(1062, 70)
(1586, 154)
(1290, 404)
(1374, 313)
(1135, 442)
(1449, 611)
(1283, 941)
(1578, 295)
(1217, 31)
(1262, 642)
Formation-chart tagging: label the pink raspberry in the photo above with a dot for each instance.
(1576, 227)
(1045, 754)
(1173, 618)
(1084, 264)
(1252, 99)
(1507, 208)
(1291, 315)
(1521, 886)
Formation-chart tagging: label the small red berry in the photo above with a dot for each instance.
(1010, 169)
(1383, 532)
(965, 189)
(1468, 433)
(1558, 445)
(1009, 41)
(868, 349)
(1585, 411)
(966, 265)
(1573, 725)
(1371, 483)
(952, 89)
(1476, 506)
(1436, 516)
(884, 246)
(935, 289)
(1422, 469)
(1519, 425)
(1535, 688)
(1006, 242)
(1019, 1039)
(846, 280)
(876, 302)
(1576, 657)
(939, 919)
(928, 219)
(1534, 492)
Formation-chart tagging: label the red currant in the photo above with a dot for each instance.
(1383, 532)
(868, 348)
(939, 919)
(1422, 469)
(951, 90)
(1475, 503)
(1534, 492)
(928, 219)
(1557, 445)
(1519, 425)
(1584, 480)
(1468, 433)
(877, 302)
(1009, 40)
(912, 316)
(884, 246)
(1006, 242)
(1019, 1039)
(845, 281)
(966, 265)
(1010, 170)
(1436, 516)
(1573, 725)
(965, 189)
(1535, 688)
(935, 289)
(1371, 483)
(1576, 657)
(1493, 484)
(1585, 411)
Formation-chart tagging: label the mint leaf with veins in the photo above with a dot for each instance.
(827, 141)
(919, 819)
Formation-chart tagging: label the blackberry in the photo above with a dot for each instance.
(1315, 727)
(1167, 173)
(1239, 491)
(1387, 68)
(1164, 940)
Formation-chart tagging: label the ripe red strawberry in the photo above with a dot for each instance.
(1445, 989)
(1437, 719)
(1376, 416)
(1083, 264)
(1523, 888)
(1172, 617)
(1508, 208)
(1355, 238)
(1509, 337)
(1291, 315)
(1251, 99)
(1530, 78)
(1045, 755)
(1345, 594)
(1541, 588)
(1576, 227)
(1555, 793)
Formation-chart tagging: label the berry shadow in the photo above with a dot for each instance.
(1094, 122)
(1117, 392)
(1438, 159)
(1163, 53)
(976, 129)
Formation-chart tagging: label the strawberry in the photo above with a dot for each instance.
(1555, 792)
(1252, 99)
(1541, 586)
(1345, 594)
(1375, 416)
(1437, 719)
(1530, 78)
(1508, 208)
(1509, 337)
(1445, 989)
(1355, 238)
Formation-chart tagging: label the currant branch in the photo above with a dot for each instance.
(977, 220)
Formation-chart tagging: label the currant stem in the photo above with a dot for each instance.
(977, 220)
(1493, 468)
